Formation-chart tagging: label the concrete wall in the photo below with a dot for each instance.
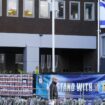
(61, 41)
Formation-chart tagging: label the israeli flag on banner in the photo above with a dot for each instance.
(102, 13)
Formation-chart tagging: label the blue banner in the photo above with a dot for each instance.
(88, 86)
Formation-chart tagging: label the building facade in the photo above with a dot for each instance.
(26, 35)
(102, 36)
(102, 50)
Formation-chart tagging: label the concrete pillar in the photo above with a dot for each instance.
(31, 58)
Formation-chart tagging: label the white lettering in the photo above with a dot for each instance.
(79, 86)
(68, 87)
(90, 86)
(86, 85)
(72, 87)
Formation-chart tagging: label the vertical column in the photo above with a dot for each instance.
(31, 58)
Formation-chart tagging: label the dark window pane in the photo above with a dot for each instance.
(61, 10)
(74, 14)
(89, 10)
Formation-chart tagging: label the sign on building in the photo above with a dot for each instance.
(88, 86)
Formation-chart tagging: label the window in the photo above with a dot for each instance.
(28, 8)
(0, 7)
(103, 46)
(44, 9)
(2, 58)
(48, 62)
(74, 10)
(89, 13)
(56, 61)
(60, 9)
(2, 62)
(42, 62)
(12, 8)
(19, 59)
